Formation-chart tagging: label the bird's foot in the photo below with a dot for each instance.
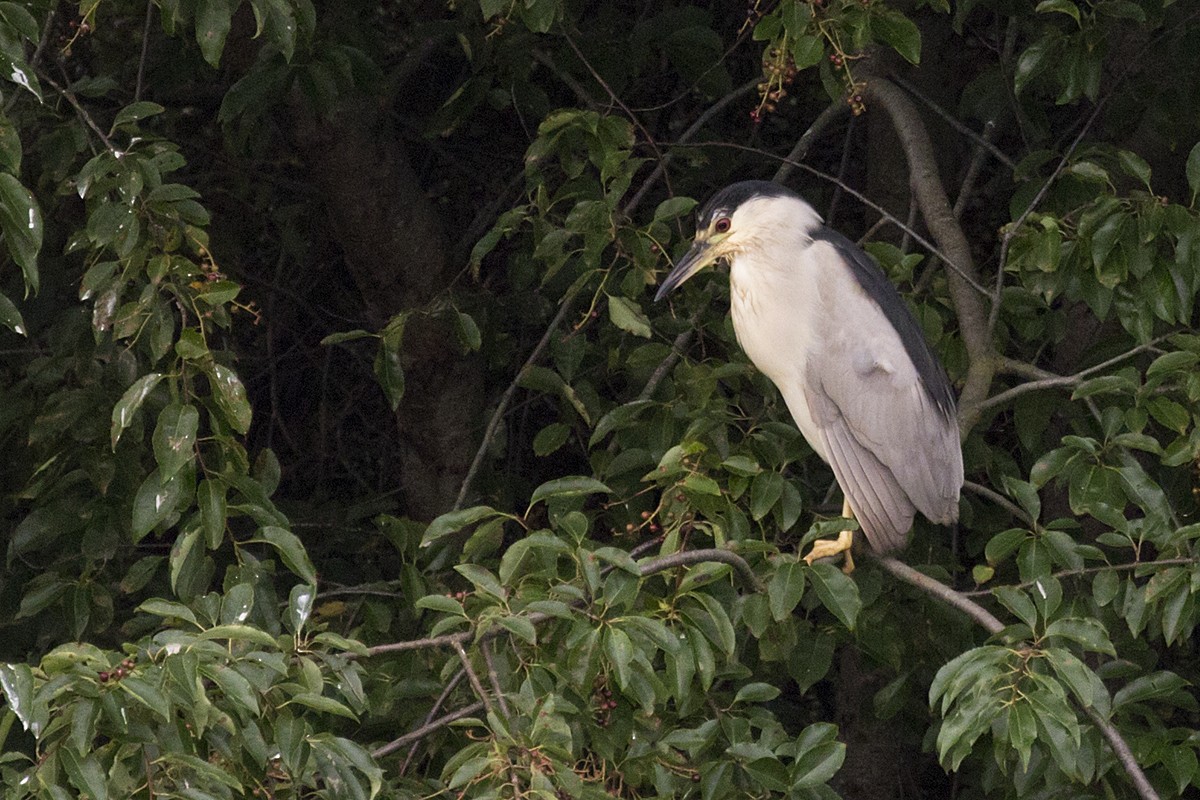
(824, 548)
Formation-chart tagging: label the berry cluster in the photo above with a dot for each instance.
(123, 669)
(778, 73)
(604, 704)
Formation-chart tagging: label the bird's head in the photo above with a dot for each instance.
(740, 217)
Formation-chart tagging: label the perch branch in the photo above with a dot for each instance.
(942, 592)
(687, 557)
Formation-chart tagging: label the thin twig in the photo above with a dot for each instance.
(989, 622)
(425, 730)
(1075, 573)
(661, 167)
(1052, 381)
(433, 710)
(476, 685)
(860, 197)
(980, 141)
(843, 168)
(69, 96)
(633, 118)
(1011, 230)
(832, 113)
(493, 677)
(543, 58)
(1123, 753)
(999, 500)
(507, 397)
(141, 73)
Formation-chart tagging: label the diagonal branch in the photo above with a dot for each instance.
(988, 621)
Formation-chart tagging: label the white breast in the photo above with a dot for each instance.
(773, 314)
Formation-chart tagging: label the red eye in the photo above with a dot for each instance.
(722, 225)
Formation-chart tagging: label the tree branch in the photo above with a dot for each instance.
(426, 729)
(661, 167)
(507, 397)
(1123, 753)
(985, 619)
(942, 592)
(939, 217)
(687, 557)
(833, 112)
(1048, 380)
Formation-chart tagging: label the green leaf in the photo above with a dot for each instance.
(213, 20)
(156, 500)
(628, 316)
(696, 483)
(521, 627)
(136, 111)
(893, 28)
(148, 694)
(550, 438)
(175, 438)
(230, 395)
(673, 207)
(1193, 171)
(1018, 603)
(765, 492)
(244, 633)
(326, 705)
(1086, 631)
(756, 693)
(837, 592)
(1061, 6)
(568, 487)
(206, 771)
(482, 579)
(468, 332)
(807, 51)
(130, 402)
(210, 498)
(786, 589)
(347, 336)
(21, 224)
(168, 609)
(440, 602)
(454, 521)
(291, 550)
(84, 772)
(10, 317)
(389, 372)
(16, 680)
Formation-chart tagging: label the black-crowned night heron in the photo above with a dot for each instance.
(819, 318)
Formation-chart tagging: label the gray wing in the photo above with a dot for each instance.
(893, 449)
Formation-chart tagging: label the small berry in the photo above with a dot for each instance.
(103, 677)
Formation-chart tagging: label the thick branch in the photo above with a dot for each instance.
(935, 207)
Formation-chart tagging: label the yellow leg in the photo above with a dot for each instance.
(824, 548)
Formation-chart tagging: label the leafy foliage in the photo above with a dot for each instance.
(270, 265)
